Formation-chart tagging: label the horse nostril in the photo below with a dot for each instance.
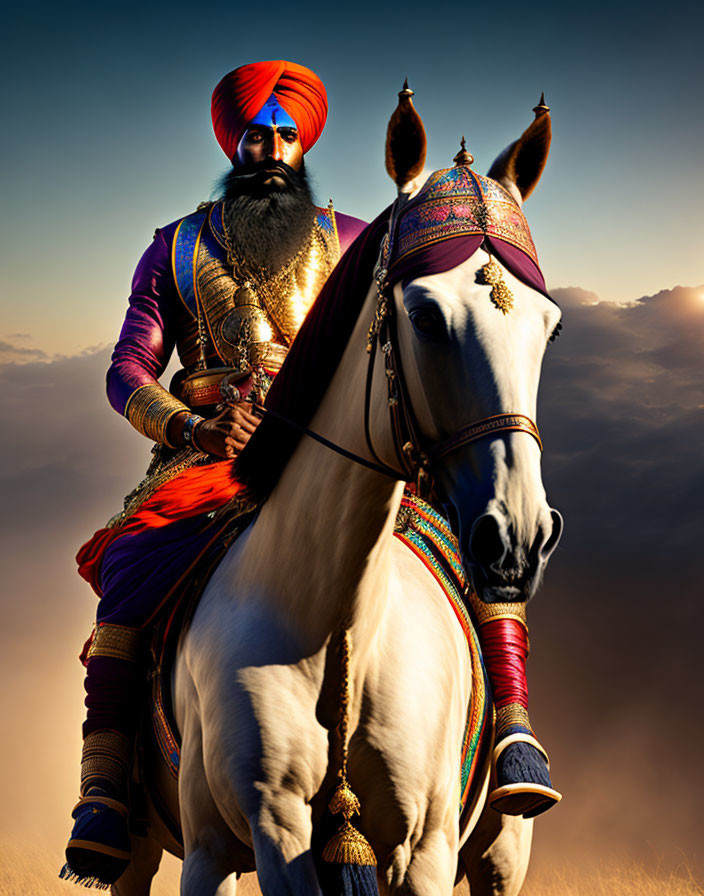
(486, 544)
(552, 540)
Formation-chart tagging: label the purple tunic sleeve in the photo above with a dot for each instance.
(147, 337)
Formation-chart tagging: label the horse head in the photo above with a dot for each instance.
(473, 320)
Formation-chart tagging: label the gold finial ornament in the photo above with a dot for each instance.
(406, 142)
(463, 159)
(542, 107)
(406, 90)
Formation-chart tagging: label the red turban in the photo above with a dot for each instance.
(242, 93)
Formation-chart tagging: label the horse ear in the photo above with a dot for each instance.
(520, 165)
(406, 142)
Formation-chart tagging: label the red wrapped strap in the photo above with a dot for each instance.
(505, 649)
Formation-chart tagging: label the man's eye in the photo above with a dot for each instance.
(289, 136)
(255, 137)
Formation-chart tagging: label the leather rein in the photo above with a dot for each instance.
(415, 461)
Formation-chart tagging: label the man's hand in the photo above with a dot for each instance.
(224, 435)
(228, 433)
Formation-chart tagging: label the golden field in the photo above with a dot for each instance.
(31, 871)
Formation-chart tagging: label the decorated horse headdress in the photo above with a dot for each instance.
(426, 231)
(457, 211)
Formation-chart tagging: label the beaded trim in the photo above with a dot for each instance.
(150, 408)
(115, 641)
(164, 467)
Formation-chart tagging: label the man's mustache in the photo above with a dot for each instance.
(267, 167)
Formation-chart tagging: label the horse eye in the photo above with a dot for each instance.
(426, 322)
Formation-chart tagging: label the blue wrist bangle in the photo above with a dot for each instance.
(189, 431)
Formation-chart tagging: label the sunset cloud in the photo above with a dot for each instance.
(10, 352)
(621, 412)
(622, 416)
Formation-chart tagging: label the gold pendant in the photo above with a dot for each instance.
(500, 294)
(245, 295)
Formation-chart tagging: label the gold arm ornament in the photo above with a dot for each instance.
(116, 641)
(106, 756)
(150, 408)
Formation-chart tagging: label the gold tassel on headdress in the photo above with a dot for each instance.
(500, 294)
(349, 846)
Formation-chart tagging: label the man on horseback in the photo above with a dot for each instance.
(228, 286)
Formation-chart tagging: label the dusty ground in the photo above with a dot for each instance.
(31, 871)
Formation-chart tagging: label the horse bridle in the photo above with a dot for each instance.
(415, 459)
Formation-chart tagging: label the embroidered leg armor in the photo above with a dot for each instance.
(98, 851)
(521, 779)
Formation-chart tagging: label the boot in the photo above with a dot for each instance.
(98, 850)
(521, 783)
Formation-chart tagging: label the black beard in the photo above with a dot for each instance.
(267, 224)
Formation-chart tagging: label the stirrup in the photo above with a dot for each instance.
(98, 851)
(523, 785)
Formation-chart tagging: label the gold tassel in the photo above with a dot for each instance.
(348, 846)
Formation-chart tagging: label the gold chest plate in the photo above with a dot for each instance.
(245, 318)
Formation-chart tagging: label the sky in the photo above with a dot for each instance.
(107, 132)
(107, 135)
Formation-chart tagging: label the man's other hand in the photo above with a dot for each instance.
(228, 433)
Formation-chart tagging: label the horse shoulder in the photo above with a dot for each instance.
(417, 690)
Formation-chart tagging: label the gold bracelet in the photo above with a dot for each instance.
(150, 408)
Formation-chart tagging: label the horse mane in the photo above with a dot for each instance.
(312, 360)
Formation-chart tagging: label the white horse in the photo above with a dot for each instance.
(255, 683)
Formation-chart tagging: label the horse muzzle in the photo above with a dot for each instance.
(503, 569)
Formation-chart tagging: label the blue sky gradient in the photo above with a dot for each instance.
(109, 134)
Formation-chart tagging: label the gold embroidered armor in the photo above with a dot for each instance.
(230, 321)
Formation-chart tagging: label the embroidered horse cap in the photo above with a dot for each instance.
(459, 204)
(243, 93)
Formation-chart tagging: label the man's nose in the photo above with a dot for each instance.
(277, 147)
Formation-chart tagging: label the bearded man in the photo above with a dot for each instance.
(227, 286)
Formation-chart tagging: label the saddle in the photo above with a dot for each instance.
(422, 530)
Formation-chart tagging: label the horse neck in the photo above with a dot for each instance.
(323, 538)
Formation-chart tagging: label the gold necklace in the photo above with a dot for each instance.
(286, 296)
